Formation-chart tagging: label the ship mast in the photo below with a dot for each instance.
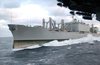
(11, 17)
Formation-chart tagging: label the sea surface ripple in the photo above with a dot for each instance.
(75, 54)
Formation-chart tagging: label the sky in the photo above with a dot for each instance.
(31, 12)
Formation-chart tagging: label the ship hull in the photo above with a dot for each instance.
(24, 34)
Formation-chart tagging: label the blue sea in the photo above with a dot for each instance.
(83, 53)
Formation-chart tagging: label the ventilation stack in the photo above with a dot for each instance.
(62, 25)
(50, 24)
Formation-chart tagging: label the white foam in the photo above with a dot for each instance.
(34, 46)
(31, 64)
(96, 38)
(88, 39)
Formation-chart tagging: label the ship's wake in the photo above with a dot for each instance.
(89, 39)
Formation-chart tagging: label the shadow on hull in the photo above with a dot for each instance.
(25, 44)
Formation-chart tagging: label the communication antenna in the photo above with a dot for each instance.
(92, 18)
(30, 20)
(92, 23)
(27, 20)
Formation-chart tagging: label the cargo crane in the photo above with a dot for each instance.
(83, 7)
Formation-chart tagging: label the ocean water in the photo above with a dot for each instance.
(83, 51)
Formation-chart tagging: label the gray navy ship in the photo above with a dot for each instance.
(25, 36)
